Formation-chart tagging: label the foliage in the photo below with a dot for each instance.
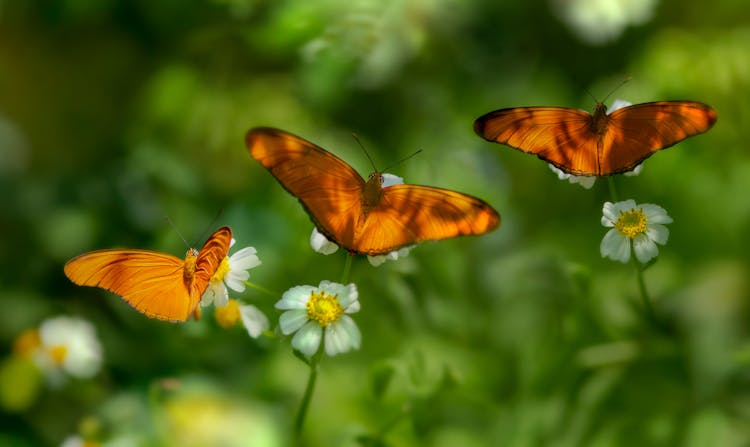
(114, 114)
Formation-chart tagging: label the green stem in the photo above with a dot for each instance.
(347, 269)
(305, 404)
(612, 187)
(260, 289)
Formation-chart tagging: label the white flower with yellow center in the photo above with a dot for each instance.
(232, 273)
(321, 244)
(63, 344)
(321, 313)
(638, 226)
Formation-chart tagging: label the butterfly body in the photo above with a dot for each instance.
(596, 144)
(156, 284)
(362, 216)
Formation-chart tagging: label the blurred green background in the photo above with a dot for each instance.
(115, 114)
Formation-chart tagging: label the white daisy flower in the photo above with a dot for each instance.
(321, 314)
(231, 273)
(321, 244)
(640, 224)
(252, 318)
(65, 344)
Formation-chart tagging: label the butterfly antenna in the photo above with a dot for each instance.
(592, 96)
(402, 160)
(174, 227)
(372, 163)
(624, 81)
(211, 224)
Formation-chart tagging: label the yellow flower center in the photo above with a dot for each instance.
(58, 354)
(631, 223)
(27, 342)
(324, 308)
(227, 316)
(222, 271)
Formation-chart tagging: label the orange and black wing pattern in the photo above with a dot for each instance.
(407, 214)
(359, 215)
(156, 284)
(600, 144)
(327, 187)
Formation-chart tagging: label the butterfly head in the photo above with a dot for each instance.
(372, 190)
(190, 259)
(599, 120)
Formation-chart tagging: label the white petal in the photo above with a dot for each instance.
(376, 260)
(609, 215)
(348, 325)
(234, 280)
(307, 340)
(321, 244)
(658, 234)
(394, 255)
(624, 205)
(215, 294)
(292, 320)
(618, 104)
(390, 180)
(562, 175)
(254, 320)
(345, 293)
(615, 246)
(655, 214)
(342, 336)
(635, 171)
(352, 308)
(334, 340)
(244, 259)
(644, 248)
(295, 298)
(587, 181)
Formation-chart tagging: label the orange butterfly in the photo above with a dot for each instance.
(362, 216)
(156, 284)
(600, 144)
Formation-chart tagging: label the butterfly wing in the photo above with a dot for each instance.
(636, 132)
(558, 135)
(156, 284)
(153, 283)
(209, 259)
(329, 189)
(408, 214)
(332, 193)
